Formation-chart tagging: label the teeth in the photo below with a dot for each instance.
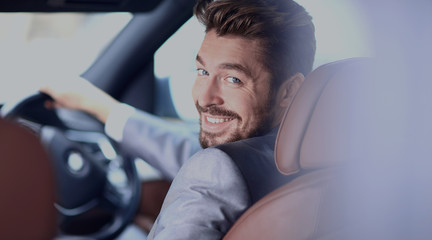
(218, 120)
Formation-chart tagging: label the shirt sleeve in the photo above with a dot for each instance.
(205, 199)
(117, 119)
(165, 145)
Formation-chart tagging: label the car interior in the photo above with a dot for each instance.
(357, 133)
(303, 208)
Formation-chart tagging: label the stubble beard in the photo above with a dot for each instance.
(262, 126)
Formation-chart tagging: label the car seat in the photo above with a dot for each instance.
(313, 142)
(26, 186)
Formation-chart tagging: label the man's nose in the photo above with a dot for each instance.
(211, 93)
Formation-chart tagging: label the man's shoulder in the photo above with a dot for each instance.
(210, 159)
(254, 157)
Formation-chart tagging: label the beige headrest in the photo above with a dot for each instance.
(315, 131)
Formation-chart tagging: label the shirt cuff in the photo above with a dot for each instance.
(117, 119)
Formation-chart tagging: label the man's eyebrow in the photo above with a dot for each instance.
(230, 66)
(237, 67)
(200, 60)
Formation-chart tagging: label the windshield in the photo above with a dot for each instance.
(36, 46)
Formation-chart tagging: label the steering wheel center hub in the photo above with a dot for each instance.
(75, 162)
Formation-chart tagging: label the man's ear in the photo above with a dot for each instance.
(288, 89)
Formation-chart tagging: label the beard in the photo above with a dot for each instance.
(260, 126)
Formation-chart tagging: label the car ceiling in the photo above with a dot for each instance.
(79, 5)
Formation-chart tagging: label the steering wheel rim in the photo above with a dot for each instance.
(113, 203)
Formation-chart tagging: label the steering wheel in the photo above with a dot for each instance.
(98, 188)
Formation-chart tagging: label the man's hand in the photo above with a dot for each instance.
(80, 94)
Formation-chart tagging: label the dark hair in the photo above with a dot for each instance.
(284, 28)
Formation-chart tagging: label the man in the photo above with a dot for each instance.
(250, 65)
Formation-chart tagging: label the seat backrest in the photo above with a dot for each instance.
(26, 186)
(313, 142)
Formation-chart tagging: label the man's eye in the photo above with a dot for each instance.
(233, 80)
(202, 72)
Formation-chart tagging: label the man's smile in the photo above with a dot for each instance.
(215, 124)
(218, 120)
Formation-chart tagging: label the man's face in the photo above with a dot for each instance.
(231, 91)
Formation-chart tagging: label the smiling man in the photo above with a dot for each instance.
(251, 63)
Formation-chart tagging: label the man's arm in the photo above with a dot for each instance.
(205, 199)
(80, 94)
(164, 145)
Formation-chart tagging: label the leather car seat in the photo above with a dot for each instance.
(313, 142)
(26, 186)
(153, 193)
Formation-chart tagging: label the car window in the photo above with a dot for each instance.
(340, 30)
(175, 60)
(35, 46)
(336, 39)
